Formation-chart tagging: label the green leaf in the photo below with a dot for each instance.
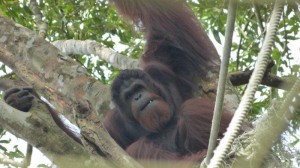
(216, 36)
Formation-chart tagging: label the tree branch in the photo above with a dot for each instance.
(294, 5)
(57, 77)
(41, 25)
(97, 140)
(88, 47)
(241, 78)
(37, 128)
(27, 159)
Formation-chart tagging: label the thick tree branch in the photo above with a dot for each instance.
(9, 83)
(97, 140)
(40, 126)
(38, 129)
(57, 77)
(50, 68)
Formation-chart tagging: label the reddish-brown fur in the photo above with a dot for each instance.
(192, 128)
(174, 38)
(177, 53)
(176, 125)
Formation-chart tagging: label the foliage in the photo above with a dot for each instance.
(12, 154)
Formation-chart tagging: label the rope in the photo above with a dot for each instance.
(255, 79)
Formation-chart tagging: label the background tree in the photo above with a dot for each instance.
(80, 72)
